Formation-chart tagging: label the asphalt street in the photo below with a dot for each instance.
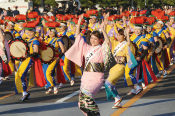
(156, 101)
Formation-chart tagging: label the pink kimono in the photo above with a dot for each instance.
(1, 53)
(5, 68)
(91, 82)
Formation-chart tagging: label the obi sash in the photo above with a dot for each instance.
(94, 67)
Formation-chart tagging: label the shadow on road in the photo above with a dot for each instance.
(166, 114)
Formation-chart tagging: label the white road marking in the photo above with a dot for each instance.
(70, 96)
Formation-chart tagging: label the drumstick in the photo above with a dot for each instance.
(20, 50)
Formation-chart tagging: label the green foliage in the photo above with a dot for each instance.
(37, 2)
(169, 2)
(87, 3)
(114, 3)
(50, 2)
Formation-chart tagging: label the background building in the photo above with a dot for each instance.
(21, 4)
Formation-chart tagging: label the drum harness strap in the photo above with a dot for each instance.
(53, 42)
(156, 45)
(34, 55)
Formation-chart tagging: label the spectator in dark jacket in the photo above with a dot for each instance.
(37, 10)
(16, 11)
(9, 12)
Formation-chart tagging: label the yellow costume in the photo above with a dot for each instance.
(112, 31)
(121, 53)
(93, 27)
(20, 77)
(117, 71)
(161, 33)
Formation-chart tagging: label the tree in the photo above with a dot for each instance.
(50, 2)
(168, 2)
(114, 3)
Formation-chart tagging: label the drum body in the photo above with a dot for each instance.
(18, 49)
(47, 55)
(160, 47)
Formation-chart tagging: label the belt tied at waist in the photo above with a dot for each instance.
(94, 67)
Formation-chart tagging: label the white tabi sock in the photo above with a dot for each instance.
(61, 84)
(55, 88)
(15, 72)
(1, 79)
(117, 98)
(24, 93)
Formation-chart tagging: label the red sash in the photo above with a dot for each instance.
(39, 75)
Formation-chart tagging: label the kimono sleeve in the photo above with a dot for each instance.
(75, 53)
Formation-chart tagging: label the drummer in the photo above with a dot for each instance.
(10, 28)
(163, 33)
(21, 75)
(154, 44)
(67, 67)
(49, 69)
(142, 44)
(171, 27)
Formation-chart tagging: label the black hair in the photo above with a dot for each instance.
(88, 35)
(121, 32)
(97, 34)
(55, 32)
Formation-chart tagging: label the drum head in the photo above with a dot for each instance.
(8, 36)
(18, 49)
(159, 48)
(47, 55)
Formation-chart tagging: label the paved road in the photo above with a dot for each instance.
(158, 101)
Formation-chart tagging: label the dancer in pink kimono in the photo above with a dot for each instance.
(93, 75)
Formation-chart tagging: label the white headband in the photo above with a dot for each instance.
(160, 22)
(53, 30)
(63, 24)
(144, 27)
(11, 23)
(93, 17)
(137, 27)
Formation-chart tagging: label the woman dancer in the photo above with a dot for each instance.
(121, 50)
(93, 76)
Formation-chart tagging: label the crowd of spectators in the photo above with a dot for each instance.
(9, 12)
(73, 9)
